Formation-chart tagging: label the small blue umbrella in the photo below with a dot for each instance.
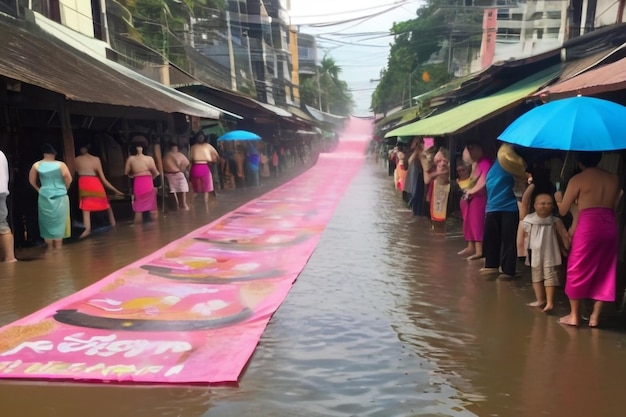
(239, 135)
(571, 124)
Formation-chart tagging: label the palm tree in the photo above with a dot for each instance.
(334, 96)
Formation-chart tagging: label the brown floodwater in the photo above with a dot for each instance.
(385, 320)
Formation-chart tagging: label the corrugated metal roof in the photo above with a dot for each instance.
(274, 109)
(469, 114)
(301, 114)
(326, 117)
(35, 57)
(609, 77)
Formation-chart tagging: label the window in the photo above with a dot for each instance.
(552, 33)
(508, 34)
(9, 7)
(555, 14)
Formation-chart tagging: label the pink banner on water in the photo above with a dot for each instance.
(194, 311)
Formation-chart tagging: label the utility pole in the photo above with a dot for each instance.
(231, 54)
(319, 90)
(410, 88)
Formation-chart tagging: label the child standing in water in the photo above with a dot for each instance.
(547, 238)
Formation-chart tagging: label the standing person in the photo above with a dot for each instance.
(502, 213)
(592, 263)
(524, 204)
(399, 175)
(415, 178)
(392, 160)
(547, 237)
(275, 162)
(240, 170)
(463, 181)
(476, 198)
(202, 154)
(439, 181)
(51, 179)
(252, 165)
(91, 184)
(264, 166)
(7, 247)
(142, 169)
(175, 166)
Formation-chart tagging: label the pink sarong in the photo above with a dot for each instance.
(144, 194)
(474, 220)
(201, 178)
(592, 263)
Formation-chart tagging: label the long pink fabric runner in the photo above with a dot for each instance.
(194, 311)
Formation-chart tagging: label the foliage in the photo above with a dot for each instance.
(327, 86)
(162, 24)
(414, 51)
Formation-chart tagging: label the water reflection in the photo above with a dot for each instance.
(385, 320)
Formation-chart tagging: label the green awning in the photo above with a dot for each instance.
(473, 112)
(404, 115)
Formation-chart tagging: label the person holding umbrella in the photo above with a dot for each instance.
(592, 262)
(589, 125)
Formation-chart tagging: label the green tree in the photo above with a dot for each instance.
(162, 24)
(416, 43)
(329, 88)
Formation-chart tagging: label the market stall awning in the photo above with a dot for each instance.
(299, 114)
(37, 57)
(469, 114)
(609, 77)
(274, 109)
(399, 117)
(329, 118)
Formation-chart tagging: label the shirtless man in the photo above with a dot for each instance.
(592, 262)
(91, 184)
(175, 166)
(202, 154)
(142, 169)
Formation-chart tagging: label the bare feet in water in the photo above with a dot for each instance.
(569, 320)
(536, 304)
(475, 257)
(465, 252)
(548, 308)
(84, 234)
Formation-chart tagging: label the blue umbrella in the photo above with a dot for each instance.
(571, 124)
(239, 135)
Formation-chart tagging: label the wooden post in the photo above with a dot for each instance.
(68, 138)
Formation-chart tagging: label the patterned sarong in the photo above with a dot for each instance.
(91, 194)
(439, 201)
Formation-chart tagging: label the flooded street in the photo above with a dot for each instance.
(385, 320)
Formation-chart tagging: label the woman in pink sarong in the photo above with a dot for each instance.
(592, 262)
(143, 170)
(476, 199)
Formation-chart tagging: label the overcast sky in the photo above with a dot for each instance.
(366, 46)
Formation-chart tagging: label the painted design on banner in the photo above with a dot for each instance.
(192, 312)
